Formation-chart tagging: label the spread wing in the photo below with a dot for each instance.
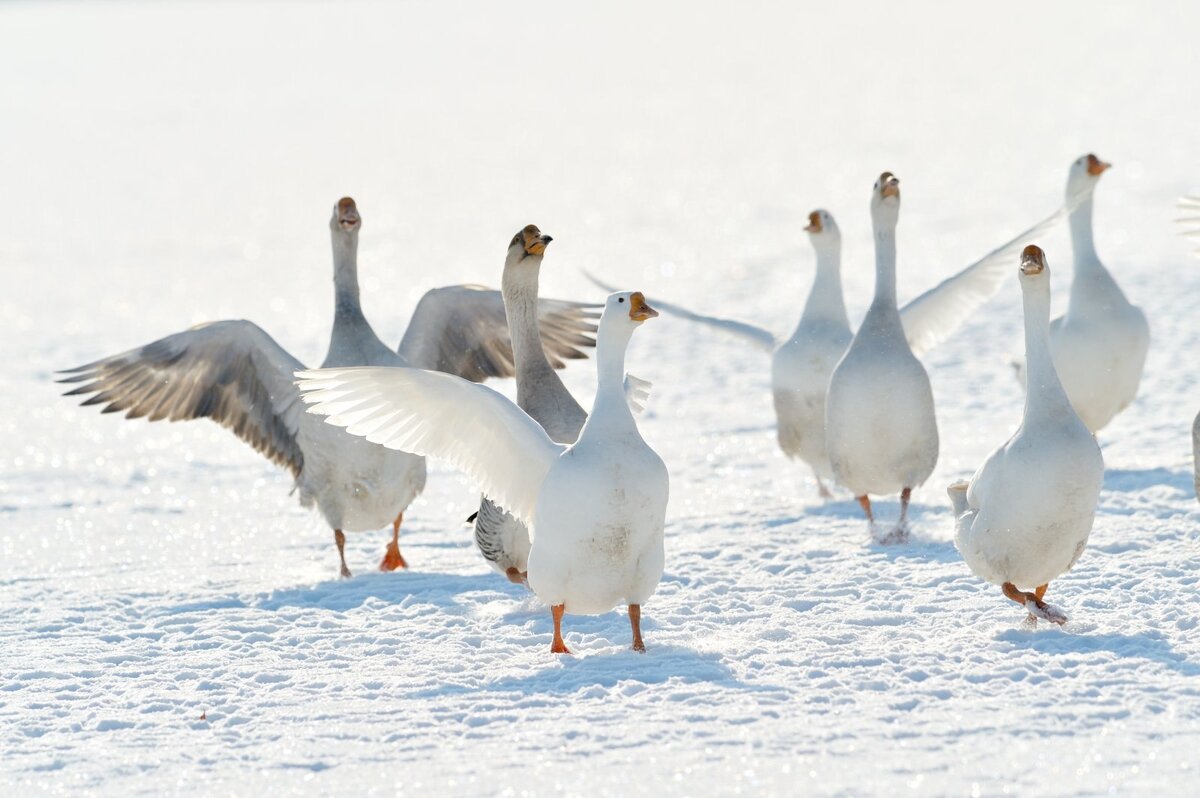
(438, 415)
(933, 316)
(763, 339)
(229, 371)
(1190, 221)
(637, 393)
(462, 330)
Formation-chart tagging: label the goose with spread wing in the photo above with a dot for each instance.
(237, 375)
(1025, 516)
(1100, 344)
(802, 363)
(595, 509)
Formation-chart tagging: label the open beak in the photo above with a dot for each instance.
(814, 223)
(347, 212)
(1033, 260)
(889, 185)
(638, 309)
(1096, 167)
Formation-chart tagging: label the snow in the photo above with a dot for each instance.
(165, 165)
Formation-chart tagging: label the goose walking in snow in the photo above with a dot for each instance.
(880, 425)
(237, 375)
(1100, 344)
(595, 509)
(1025, 516)
(802, 363)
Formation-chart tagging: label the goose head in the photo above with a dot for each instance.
(626, 310)
(885, 201)
(823, 231)
(1084, 174)
(528, 247)
(345, 218)
(1034, 270)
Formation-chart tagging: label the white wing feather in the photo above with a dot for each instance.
(763, 339)
(1190, 222)
(637, 392)
(933, 316)
(470, 426)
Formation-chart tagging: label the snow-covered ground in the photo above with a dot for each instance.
(163, 165)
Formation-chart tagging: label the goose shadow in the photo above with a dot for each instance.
(1123, 480)
(1150, 646)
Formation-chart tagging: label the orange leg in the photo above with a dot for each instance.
(392, 559)
(635, 621)
(339, 538)
(558, 646)
(905, 496)
(1021, 597)
(1041, 591)
(865, 501)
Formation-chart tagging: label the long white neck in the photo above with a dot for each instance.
(610, 413)
(1082, 243)
(519, 287)
(884, 304)
(825, 301)
(1045, 398)
(1093, 289)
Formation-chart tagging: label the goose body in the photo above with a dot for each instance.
(1025, 517)
(234, 373)
(880, 424)
(1100, 344)
(596, 509)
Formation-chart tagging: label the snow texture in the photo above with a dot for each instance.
(171, 619)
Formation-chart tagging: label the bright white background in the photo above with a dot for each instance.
(164, 165)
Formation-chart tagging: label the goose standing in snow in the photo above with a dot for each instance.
(802, 363)
(1100, 345)
(595, 509)
(502, 539)
(237, 375)
(1025, 516)
(880, 425)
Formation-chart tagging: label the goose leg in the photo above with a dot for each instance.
(899, 533)
(1033, 602)
(392, 559)
(822, 491)
(635, 621)
(339, 538)
(865, 502)
(558, 646)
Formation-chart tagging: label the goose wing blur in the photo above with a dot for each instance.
(229, 371)
(462, 330)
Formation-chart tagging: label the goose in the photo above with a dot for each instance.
(1100, 345)
(880, 425)
(595, 509)
(1025, 516)
(234, 373)
(802, 363)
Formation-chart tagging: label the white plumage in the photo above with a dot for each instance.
(1026, 514)
(595, 509)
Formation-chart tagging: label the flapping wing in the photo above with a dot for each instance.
(637, 393)
(763, 339)
(229, 371)
(1190, 220)
(462, 330)
(438, 415)
(933, 316)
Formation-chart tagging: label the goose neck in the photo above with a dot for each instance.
(519, 288)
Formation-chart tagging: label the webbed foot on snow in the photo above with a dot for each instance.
(392, 559)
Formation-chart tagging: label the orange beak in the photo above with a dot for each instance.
(535, 240)
(1095, 166)
(889, 185)
(638, 309)
(1033, 260)
(814, 223)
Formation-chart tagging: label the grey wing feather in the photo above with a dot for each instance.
(463, 330)
(229, 371)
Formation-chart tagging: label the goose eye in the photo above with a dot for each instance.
(622, 299)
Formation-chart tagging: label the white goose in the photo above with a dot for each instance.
(235, 374)
(880, 425)
(803, 362)
(595, 509)
(1100, 345)
(1026, 514)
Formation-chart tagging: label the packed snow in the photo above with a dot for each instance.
(173, 621)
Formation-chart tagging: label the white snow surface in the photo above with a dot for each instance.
(166, 164)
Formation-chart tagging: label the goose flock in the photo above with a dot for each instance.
(574, 503)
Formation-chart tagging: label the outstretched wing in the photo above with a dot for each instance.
(438, 415)
(229, 371)
(1190, 221)
(763, 339)
(933, 316)
(462, 330)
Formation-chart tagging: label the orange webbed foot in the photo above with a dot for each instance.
(392, 559)
(559, 647)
